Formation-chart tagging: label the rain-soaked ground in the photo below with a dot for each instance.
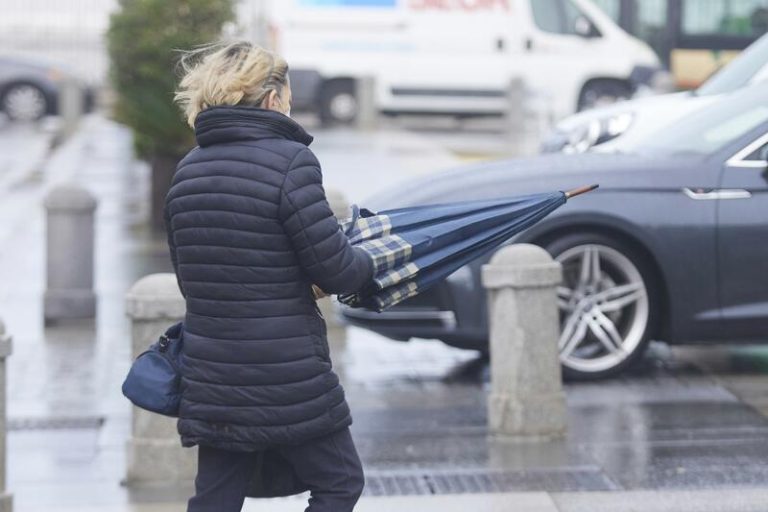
(686, 418)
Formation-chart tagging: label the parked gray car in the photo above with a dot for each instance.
(645, 115)
(673, 246)
(29, 90)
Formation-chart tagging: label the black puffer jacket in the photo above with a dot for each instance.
(250, 231)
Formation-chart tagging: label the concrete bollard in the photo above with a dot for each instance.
(523, 119)
(71, 106)
(69, 245)
(6, 500)
(367, 109)
(515, 113)
(155, 455)
(526, 400)
(340, 208)
(338, 203)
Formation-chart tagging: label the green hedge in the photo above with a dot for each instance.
(143, 42)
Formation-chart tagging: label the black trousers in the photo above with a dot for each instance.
(328, 465)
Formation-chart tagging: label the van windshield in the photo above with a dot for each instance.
(751, 63)
(705, 131)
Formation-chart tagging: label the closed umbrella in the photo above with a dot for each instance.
(414, 248)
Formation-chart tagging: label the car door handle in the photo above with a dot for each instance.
(702, 194)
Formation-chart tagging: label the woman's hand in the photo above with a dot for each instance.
(317, 292)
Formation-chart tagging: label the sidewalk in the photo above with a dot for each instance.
(685, 432)
(741, 500)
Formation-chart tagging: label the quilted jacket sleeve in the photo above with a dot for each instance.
(172, 248)
(323, 250)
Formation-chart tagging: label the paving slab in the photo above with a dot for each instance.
(509, 502)
(723, 500)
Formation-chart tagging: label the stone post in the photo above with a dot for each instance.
(69, 245)
(524, 118)
(340, 208)
(367, 109)
(515, 114)
(155, 455)
(70, 106)
(526, 400)
(6, 500)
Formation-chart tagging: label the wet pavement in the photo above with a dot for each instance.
(688, 422)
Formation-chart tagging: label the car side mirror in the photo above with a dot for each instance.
(583, 27)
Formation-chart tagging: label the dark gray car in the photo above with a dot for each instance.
(673, 246)
(29, 90)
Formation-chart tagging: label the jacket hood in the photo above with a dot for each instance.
(217, 125)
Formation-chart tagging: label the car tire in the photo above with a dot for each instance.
(338, 103)
(608, 303)
(599, 93)
(24, 102)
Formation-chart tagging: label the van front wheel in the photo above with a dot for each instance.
(598, 93)
(338, 102)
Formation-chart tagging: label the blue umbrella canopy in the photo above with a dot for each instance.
(414, 248)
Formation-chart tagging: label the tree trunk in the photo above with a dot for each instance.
(163, 168)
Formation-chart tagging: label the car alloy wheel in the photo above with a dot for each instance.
(604, 310)
(24, 102)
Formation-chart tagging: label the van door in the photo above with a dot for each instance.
(455, 58)
(558, 51)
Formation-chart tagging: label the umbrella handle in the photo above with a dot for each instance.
(581, 190)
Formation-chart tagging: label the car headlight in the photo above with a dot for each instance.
(597, 131)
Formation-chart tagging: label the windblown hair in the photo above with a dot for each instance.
(234, 73)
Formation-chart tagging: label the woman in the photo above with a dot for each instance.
(250, 232)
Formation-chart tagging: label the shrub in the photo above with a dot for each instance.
(142, 41)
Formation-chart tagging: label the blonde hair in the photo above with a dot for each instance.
(235, 73)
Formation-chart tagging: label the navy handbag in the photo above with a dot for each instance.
(154, 381)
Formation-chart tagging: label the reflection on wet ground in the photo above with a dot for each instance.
(669, 424)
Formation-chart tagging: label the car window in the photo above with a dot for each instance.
(610, 7)
(725, 17)
(573, 16)
(751, 65)
(547, 15)
(759, 155)
(651, 24)
(646, 19)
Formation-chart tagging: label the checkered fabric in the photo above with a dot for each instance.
(395, 294)
(366, 228)
(395, 276)
(390, 254)
(387, 253)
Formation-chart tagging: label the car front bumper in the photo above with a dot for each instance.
(434, 314)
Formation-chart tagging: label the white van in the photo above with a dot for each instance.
(453, 56)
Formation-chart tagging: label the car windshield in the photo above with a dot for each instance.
(752, 63)
(705, 131)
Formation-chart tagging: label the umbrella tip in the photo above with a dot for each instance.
(581, 190)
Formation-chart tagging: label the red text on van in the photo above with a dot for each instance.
(460, 5)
